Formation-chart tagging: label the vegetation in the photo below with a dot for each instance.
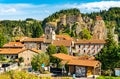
(62, 49)
(107, 77)
(56, 15)
(21, 59)
(51, 50)
(11, 29)
(112, 15)
(109, 55)
(2, 40)
(17, 75)
(85, 34)
(34, 28)
(38, 60)
(2, 58)
(26, 75)
(37, 29)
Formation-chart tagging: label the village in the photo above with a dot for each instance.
(80, 58)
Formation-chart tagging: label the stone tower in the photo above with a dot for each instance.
(50, 33)
(63, 20)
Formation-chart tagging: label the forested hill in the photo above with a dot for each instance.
(11, 29)
(56, 15)
(110, 17)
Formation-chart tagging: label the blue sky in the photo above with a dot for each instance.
(39, 9)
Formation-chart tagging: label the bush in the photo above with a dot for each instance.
(46, 72)
(107, 77)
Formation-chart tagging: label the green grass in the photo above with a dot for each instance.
(107, 77)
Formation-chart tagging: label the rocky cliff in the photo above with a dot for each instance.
(76, 23)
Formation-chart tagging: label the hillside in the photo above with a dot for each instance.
(73, 22)
(13, 28)
(70, 22)
(111, 18)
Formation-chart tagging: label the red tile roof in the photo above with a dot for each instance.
(16, 51)
(92, 41)
(63, 56)
(91, 63)
(65, 37)
(72, 60)
(14, 44)
(34, 40)
(62, 42)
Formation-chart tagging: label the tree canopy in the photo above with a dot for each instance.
(38, 60)
(85, 34)
(37, 29)
(109, 55)
(2, 40)
(51, 50)
(62, 49)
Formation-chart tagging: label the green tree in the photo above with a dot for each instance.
(21, 59)
(51, 50)
(85, 34)
(2, 40)
(109, 55)
(38, 60)
(62, 49)
(37, 29)
(2, 58)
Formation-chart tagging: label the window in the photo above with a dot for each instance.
(11, 56)
(79, 46)
(27, 58)
(84, 51)
(16, 57)
(7, 56)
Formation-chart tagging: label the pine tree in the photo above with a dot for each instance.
(108, 56)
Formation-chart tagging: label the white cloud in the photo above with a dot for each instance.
(93, 6)
(7, 10)
(23, 11)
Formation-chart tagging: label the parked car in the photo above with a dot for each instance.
(5, 65)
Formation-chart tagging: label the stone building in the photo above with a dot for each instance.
(14, 54)
(87, 47)
(80, 66)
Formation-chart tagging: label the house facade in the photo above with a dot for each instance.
(88, 47)
(14, 54)
(80, 66)
(44, 41)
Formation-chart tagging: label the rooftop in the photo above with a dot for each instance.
(91, 63)
(72, 60)
(16, 51)
(34, 40)
(14, 44)
(62, 42)
(91, 41)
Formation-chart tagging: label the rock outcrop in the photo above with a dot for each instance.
(97, 27)
(99, 31)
